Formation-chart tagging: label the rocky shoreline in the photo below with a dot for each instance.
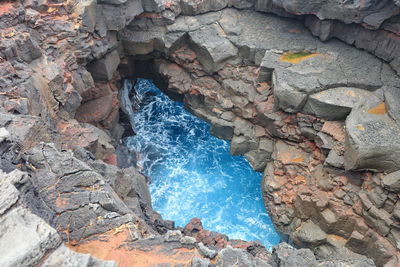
(319, 119)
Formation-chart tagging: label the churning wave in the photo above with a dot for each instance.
(193, 173)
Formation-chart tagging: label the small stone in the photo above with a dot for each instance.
(65, 257)
(339, 193)
(309, 235)
(200, 262)
(391, 181)
(173, 236)
(234, 257)
(334, 159)
(287, 256)
(103, 69)
(3, 134)
(188, 240)
(258, 159)
(206, 252)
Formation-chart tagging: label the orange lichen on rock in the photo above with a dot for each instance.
(297, 160)
(298, 57)
(114, 245)
(360, 127)
(378, 110)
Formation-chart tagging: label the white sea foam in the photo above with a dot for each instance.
(192, 172)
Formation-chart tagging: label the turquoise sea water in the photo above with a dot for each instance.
(193, 173)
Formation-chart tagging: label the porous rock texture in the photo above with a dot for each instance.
(319, 119)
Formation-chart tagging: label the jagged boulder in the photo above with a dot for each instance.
(371, 13)
(26, 237)
(372, 140)
(392, 181)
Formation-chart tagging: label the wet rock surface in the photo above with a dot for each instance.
(319, 119)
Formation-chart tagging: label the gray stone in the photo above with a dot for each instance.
(391, 181)
(234, 257)
(116, 17)
(394, 236)
(206, 252)
(241, 145)
(200, 262)
(188, 240)
(173, 236)
(336, 103)
(8, 193)
(286, 256)
(371, 13)
(309, 235)
(378, 219)
(334, 159)
(258, 159)
(377, 196)
(87, 10)
(25, 238)
(221, 129)
(64, 257)
(372, 141)
(211, 47)
(379, 43)
(3, 134)
(141, 42)
(266, 145)
(103, 69)
(240, 88)
(87, 200)
(299, 74)
(392, 100)
(324, 141)
(190, 7)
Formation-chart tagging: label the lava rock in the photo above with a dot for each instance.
(26, 237)
(309, 235)
(372, 140)
(287, 256)
(211, 48)
(206, 252)
(392, 181)
(103, 69)
(233, 256)
(65, 257)
(200, 262)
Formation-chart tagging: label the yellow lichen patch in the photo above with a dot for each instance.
(51, 9)
(297, 160)
(378, 110)
(360, 127)
(297, 57)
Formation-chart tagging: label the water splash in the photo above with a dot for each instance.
(193, 173)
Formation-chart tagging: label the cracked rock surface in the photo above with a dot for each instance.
(320, 119)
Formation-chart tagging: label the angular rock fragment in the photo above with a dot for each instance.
(309, 235)
(26, 237)
(211, 47)
(336, 103)
(372, 140)
(65, 257)
(103, 69)
(391, 181)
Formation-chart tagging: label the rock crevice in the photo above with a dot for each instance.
(319, 119)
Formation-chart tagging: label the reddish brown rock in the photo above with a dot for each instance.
(95, 110)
